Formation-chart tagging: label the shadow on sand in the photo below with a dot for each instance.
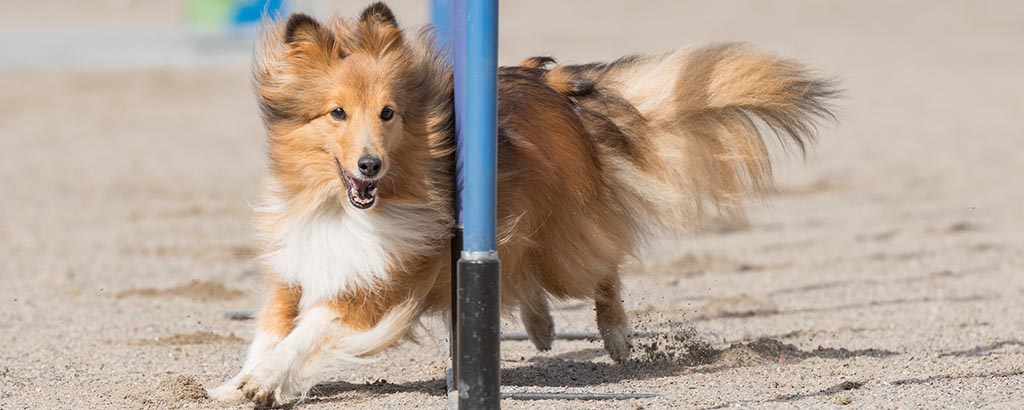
(662, 355)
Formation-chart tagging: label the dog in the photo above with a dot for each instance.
(357, 211)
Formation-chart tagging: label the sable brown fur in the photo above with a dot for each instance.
(592, 160)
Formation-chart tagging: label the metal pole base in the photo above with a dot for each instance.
(478, 379)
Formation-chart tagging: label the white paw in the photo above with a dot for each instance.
(227, 392)
(264, 385)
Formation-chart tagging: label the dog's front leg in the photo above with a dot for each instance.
(276, 377)
(261, 346)
(276, 320)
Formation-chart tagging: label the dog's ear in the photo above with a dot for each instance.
(303, 28)
(380, 13)
(303, 31)
(378, 31)
(290, 56)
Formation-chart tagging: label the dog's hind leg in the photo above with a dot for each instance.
(536, 315)
(275, 322)
(611, 319)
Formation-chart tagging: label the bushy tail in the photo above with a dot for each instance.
(686, 130)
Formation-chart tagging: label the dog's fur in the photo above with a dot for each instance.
(591, 160)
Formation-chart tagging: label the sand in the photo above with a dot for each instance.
(886, 273)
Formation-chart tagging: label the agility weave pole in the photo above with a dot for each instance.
(470, 29)
(476, 351)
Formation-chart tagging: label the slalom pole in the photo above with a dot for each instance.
(478, 283)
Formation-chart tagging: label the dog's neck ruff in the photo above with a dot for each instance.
(332, 249)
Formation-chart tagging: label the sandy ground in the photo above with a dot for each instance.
(885, 274)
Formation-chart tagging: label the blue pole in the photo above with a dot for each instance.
(478, 290)
(479, 126)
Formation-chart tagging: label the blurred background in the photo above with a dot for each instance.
(131, 148)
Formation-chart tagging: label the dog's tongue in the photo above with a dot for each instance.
(362, 194)
(363, 188)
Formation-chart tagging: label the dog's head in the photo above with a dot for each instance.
(353, 107)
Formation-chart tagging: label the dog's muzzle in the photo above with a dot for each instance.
(362, 194)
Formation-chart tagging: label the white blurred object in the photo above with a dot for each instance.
(316, 8)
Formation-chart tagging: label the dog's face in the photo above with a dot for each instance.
(360, 125)
(343, 104)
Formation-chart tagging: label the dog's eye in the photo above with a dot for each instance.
(339, 114)
(387, 113)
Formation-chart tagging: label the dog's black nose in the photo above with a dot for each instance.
(369, 165)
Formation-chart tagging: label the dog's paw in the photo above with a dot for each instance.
(263, 395)
(541, 330)
(543, 339)
(227, 392)
(540, 326)
(616, 342)
(264, 386)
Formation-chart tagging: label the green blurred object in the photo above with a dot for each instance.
(209, 15)
(226, 16)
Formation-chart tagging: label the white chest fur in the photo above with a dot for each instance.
(333, 250)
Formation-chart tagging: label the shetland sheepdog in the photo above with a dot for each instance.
(356, 213)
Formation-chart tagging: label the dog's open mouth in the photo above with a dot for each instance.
(362, 194)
